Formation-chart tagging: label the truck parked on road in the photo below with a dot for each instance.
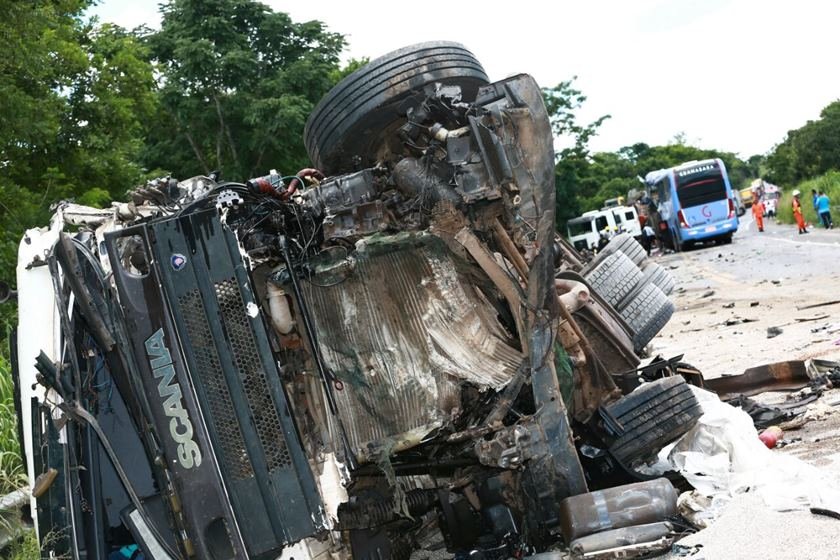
(585, 231)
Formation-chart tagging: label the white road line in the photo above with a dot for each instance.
(805, 242)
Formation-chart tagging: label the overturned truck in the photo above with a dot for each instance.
(389, 351)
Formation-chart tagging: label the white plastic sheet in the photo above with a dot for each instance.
(722, 456)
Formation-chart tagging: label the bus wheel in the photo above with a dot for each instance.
(726, 239)
(676, 245)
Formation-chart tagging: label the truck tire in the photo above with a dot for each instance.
(628, 245)
(649, 418)
(652, 273)
(646, 313)
(614, 278)
(359, 116)
(624, 243)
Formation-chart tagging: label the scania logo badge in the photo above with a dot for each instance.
(178, 261)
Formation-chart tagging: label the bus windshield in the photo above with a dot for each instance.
(701, 188)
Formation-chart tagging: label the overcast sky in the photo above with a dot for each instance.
(730, 74)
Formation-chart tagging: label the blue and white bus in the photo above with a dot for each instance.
(694, 203)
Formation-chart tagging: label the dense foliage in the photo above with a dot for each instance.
(829, 183)
(89, 110)
(238, 81)
(809, 151)
(75, 101)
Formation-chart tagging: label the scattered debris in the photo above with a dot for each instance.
(830, 328)
(773, 332)
(794, 423)
(779, 376)
(815, 318)
(722, 456)
(729, 305)
(754, 304)
(776, 282)
(813, 305)
(819, 411)
(763, 415)
(683, 550)
(699, 510)
(738, 320)
(707, 294)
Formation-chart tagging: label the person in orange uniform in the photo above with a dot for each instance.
(797, 212)
(758, 212)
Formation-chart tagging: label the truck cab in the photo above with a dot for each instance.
(626, 218)
(585, 230)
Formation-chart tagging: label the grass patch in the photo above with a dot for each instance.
(828, 183)
(12, 473)
(25, 548)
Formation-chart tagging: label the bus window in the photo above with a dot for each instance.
(695, 192)
(628, 216)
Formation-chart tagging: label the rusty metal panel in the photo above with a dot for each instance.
(781, 376)
(402, 332)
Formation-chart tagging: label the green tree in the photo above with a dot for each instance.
(562, 103)
(75, 98)
(809, 151)
(239, 81)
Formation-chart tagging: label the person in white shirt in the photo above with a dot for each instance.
(648, 237)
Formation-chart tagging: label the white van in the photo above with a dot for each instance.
(626, 218)
(585, 230)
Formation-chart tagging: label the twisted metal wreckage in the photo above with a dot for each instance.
(387, 353)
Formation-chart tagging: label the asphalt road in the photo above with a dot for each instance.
(778, 252)
(764, 279)
(729, 295)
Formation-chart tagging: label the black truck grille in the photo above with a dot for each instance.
(209, 372)
(246, 358)
(223, 418)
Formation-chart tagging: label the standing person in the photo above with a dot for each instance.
(824, 210)
(648, 236)
(758, 212)
(797, 212)
(603, 240)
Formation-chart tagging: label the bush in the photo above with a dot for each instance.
(828, 183)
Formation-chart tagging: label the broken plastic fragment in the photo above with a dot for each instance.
(252, 309)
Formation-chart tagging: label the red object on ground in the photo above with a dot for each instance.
(769, 438)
